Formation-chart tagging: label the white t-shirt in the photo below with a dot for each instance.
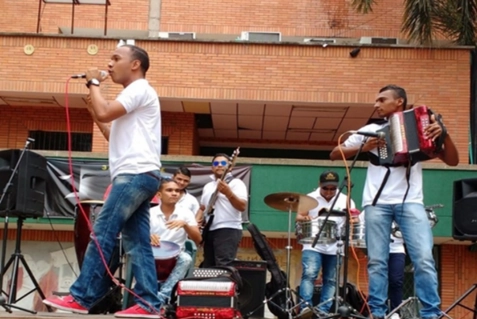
(177, 235)
(225, 215)
(135, 138)
(328, 249)
(396, 185)
(190, 202)
(396, 245)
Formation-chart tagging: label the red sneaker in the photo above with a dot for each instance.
(136, 312)
(66, 303)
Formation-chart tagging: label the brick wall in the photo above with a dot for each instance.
(15, 122)
(237, 72)
(296, 18)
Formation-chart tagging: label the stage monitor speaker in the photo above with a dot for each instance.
(464, 210)
(254, 276)
(26, 194)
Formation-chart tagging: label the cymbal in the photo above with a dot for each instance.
(334, 213)
(291, 201)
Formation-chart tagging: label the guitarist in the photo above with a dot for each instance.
(223, 237)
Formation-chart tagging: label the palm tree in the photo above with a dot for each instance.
(423, 19)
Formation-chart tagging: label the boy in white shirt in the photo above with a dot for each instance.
(182, 177)
(173, 223)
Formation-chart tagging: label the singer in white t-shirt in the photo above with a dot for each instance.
(134, 163)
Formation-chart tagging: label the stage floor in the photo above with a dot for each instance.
(48, 315)
(55, 315)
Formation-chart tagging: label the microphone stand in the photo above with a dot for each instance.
(6, 191)
(346, 246)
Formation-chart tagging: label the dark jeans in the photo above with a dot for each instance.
(221, 246)
(396, 278)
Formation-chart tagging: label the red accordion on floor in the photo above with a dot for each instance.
(208, 299)
(405, 138)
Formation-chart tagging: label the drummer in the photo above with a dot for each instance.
(322, 256)
(173, 223)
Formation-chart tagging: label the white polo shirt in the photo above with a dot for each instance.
(190, 202)
(225, 215)
(328, 249)
(135, 138)
(177, 235)
(396, 185)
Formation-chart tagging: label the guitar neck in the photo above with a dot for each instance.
(214, 196)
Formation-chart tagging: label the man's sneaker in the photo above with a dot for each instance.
(66, 303)
(305, 313)
(136, 312)
(395, 316)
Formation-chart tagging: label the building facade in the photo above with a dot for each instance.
(281, 77)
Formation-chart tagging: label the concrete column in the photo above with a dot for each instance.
(154, 18)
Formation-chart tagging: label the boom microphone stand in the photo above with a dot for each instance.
(344, 310)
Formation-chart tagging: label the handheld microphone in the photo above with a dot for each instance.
(380, 135)
(83, 76)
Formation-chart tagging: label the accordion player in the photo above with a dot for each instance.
(406, 142)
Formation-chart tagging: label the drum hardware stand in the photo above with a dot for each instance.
(116, 264)
(17, 256)
(458, 303)
(288, 291)
(344, 310)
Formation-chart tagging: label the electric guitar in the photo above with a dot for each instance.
(209, 210)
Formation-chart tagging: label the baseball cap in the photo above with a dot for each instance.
(329, 178)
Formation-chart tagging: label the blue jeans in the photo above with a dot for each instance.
(179, 271)
(126, 209)
(397, 262)
(311, 262)
(417, 234)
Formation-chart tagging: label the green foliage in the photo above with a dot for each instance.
(424, 19)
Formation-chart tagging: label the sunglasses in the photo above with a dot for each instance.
(330, 189)
(221, 163)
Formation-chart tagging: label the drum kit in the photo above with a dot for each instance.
(324, 231)
(319, 230)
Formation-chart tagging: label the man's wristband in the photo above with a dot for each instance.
(92, 82)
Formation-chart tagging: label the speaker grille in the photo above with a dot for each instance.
(464, 210)
(254, 274)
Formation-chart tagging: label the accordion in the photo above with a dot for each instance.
(203, 297)
(405, 138)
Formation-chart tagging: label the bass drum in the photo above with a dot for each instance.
(82, 234)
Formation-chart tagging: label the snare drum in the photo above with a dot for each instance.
(357, 237)
(431, 217)
(307, 230)
(165, 257)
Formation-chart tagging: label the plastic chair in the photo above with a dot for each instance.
(190, 248)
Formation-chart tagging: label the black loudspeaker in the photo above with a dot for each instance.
(464, 210)
(26, 195)
(252, 294)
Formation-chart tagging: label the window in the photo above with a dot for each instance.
(58, 141)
